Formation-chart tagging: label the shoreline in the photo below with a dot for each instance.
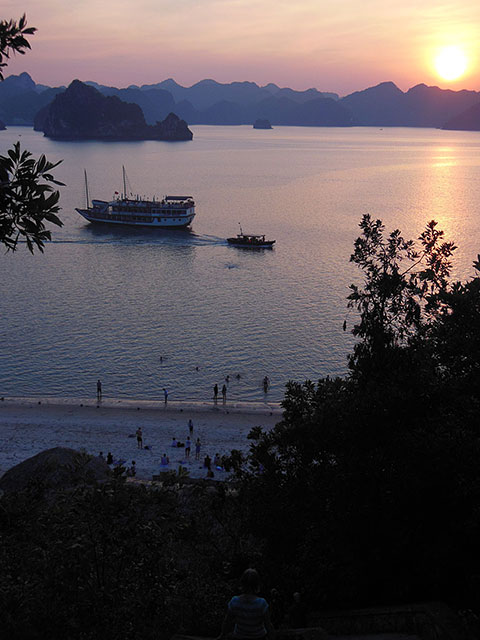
(175, 406)
(29, 425)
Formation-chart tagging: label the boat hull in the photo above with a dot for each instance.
(180, 222)
(233, 242)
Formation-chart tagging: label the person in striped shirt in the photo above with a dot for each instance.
(248, 614)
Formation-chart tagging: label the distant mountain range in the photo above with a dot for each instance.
(387, 106)
(210, 102)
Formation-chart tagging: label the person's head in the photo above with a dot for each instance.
(250, 581)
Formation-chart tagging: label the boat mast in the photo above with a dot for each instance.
(124, 183)
(241, 232)
(86, 189)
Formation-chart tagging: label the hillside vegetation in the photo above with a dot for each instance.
(367, 491)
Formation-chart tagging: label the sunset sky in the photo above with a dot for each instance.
(333, 45)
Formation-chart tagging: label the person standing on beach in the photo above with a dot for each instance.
(187, 447)
(215, 392)
(198, 447)
(190, 427)
(99, 390)
(224, 393)
(139, 438)
(165, 395)
(164, 460)
(248, 614)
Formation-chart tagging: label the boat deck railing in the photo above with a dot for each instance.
(169, 202)
(149, 212)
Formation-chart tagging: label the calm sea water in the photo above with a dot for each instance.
(110, 303)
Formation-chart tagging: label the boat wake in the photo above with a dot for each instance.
(136, 237)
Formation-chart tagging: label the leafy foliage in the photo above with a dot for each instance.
(402, 287)
(113, 561)
(13, 40)
(368, 489)
(454, 334)
(26, 203)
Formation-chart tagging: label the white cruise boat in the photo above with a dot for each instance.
(172, 212)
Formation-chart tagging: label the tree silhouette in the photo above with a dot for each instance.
(27, 197)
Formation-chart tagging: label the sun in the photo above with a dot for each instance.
(451, 63)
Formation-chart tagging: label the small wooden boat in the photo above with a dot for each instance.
(250, 241)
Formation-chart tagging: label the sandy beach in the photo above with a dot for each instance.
(31, 425)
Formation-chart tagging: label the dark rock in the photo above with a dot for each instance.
(171, 129)
(2, 126)
(262, 123)
(468, 120)
(156, 104)
(40, 117)
(83, 113)
(56, 469)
